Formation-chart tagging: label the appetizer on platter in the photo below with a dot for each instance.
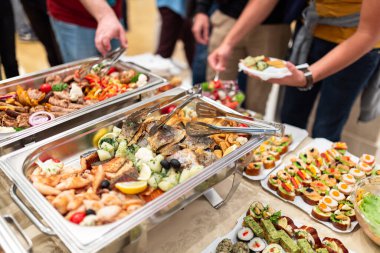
(129, 168)
(265, 230)
(323, 179)
(269, 152)
(61, 95)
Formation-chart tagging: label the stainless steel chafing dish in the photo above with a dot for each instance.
(34, 80)
(67, 147)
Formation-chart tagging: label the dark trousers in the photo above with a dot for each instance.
(7, 39)
(337, 94)
(37, 13)
(174, 27)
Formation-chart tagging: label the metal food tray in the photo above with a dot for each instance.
(68, 146)
(322, 145)
(34, 80)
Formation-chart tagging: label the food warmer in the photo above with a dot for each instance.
(13, 141)
(132, 229)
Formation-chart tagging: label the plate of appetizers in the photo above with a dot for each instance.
(263, 229)
(264, 67)
(319, 181)
(270, 153)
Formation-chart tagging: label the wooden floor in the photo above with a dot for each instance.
(142, 37)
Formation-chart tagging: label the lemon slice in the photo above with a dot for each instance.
(145, 173)
(99, 134)
(134, 187)
(106, 136)
(230, 149)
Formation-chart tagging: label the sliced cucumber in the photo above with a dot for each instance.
(108, 147)
(122, 149)
(103, 155)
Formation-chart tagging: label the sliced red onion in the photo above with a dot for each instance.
(40, 117)
(5, 97)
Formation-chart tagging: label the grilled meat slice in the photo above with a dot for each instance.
(37, 108)
(54, 108)
(8, 121)
(62, 95)
(59, 114)
(12, 113)
(112, 165)
(166, 135)
(133, 123)
(75, 106)
(126, 173)
(35, 94)
(59, 102)
(23, 120)
(169, 149)
(194, 143)
(204, 157)
(88, 158)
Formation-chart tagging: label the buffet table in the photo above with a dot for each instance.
(195, 227)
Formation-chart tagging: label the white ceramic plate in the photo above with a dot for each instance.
(298, 135)
(268, 73)
(321, 145)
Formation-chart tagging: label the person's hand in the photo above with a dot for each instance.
(296, 79)
(201, 28)
(218, 58)
(109, 27)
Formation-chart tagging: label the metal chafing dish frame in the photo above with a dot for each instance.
(34, 80)
(9, 242)
(15, 164)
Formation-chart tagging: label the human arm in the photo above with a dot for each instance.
(109, 27)
(346, 53)
(255, 12)
(201, 24)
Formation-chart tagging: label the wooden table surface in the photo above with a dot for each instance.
(196, 226)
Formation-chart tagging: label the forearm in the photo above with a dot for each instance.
(254, 14)
(343, 55)
(97, 8)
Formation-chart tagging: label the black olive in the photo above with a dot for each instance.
(90, 211)
(105, 184)
(331, 176)
(217, 147)
(275, 178)
(165, 164)
(175, 164)
(309, 190)
(208, 149)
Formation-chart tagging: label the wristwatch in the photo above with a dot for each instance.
(308, 75)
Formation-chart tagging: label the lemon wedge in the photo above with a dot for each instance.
(145, 173)
(133, 187)
(99, 134)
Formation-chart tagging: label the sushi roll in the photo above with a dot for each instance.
(240, 247)
(269, 162)
(253, 169)
(224, 246)
(245, 234)
(273, 248)
(257, 244)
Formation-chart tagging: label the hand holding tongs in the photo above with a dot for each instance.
(108, 60)
(205, 110)
(192, 94)
(197, 129)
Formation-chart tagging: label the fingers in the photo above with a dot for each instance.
(99, 45)
(122, 38)
(199, 35)
(291, 67)
(106, 44)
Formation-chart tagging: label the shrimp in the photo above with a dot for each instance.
(46, 189)
(108, 213)
(62, 200)
(73, 183)
(98, 178)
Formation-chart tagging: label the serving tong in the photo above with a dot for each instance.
(108, 60)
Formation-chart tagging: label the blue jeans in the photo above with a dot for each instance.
(76, 42)
(337, 94)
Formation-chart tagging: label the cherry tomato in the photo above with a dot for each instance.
(217, 84)
(168, 109)
(56, 160)
(242, 125)
(46, 88)
(77, 217)
(111, 70)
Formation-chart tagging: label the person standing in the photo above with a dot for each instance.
(175, 26)
(7, 39)
(269, 38)
(86, 28)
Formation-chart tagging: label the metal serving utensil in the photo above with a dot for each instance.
(108, 60)
(197, 129)
(205, 110)
(195, 92)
